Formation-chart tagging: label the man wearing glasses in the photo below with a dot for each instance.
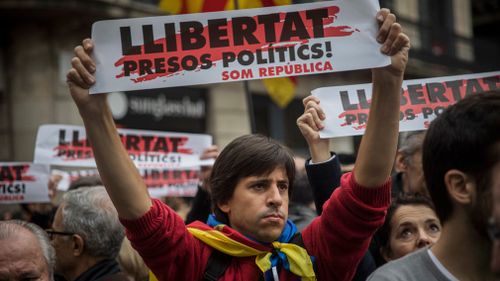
(87, 236)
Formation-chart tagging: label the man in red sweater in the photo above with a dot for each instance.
(250, 185)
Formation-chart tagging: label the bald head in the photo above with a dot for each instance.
(26, 252)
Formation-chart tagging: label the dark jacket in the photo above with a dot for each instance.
(397, 184)
(106, 270)
(324, 179)
(201, 207)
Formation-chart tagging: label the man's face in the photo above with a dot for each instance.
(414, 174)
(259, 205)
(21, 258)
(63, 245)
(495, 255)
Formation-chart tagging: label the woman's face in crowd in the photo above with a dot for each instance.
(412, 227)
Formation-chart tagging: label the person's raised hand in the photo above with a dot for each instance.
(81, 77)
(394, 42)
(310, 123)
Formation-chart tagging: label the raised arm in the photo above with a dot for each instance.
(310, 123)
(121, 178)
(323, 171)
(379, 144)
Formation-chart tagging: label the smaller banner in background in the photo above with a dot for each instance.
(66, 145)
(347, 107)
(171, 182)
(160, 182)
(22, 182)
(66, 178)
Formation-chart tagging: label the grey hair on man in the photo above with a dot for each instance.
(412, 142)
(90, 213)
(11, 228)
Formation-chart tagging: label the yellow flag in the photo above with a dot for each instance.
(281, 90)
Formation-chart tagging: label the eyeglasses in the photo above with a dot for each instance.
(493, 229)
(51, 233)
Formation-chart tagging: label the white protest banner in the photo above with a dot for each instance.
(22, 182)
(66, 178)
(347, 107)
(66, 145)
(160, 182)
(191, 49)
(171, 182)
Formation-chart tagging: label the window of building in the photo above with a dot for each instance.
(5, 123)
(181, 109)
(437, 33)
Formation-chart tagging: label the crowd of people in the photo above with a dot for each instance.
(428, 210)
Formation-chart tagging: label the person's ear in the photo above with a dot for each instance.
(224, 207)
(78, 245)
(460, 186)
(386, 253)
(400, 163)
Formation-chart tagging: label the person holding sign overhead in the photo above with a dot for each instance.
(249, 237)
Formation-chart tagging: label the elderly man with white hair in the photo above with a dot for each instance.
(87, 236)
(26, 252)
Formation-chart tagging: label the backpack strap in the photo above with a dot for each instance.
(218, 262)
(216, 265)
(297, 239)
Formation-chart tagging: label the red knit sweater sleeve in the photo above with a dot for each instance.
(168, 249)
(341, 235)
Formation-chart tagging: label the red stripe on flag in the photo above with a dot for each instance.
(268, 3)
(214, 5)
(184, 8)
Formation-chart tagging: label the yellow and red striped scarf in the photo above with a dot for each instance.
(230, 242)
